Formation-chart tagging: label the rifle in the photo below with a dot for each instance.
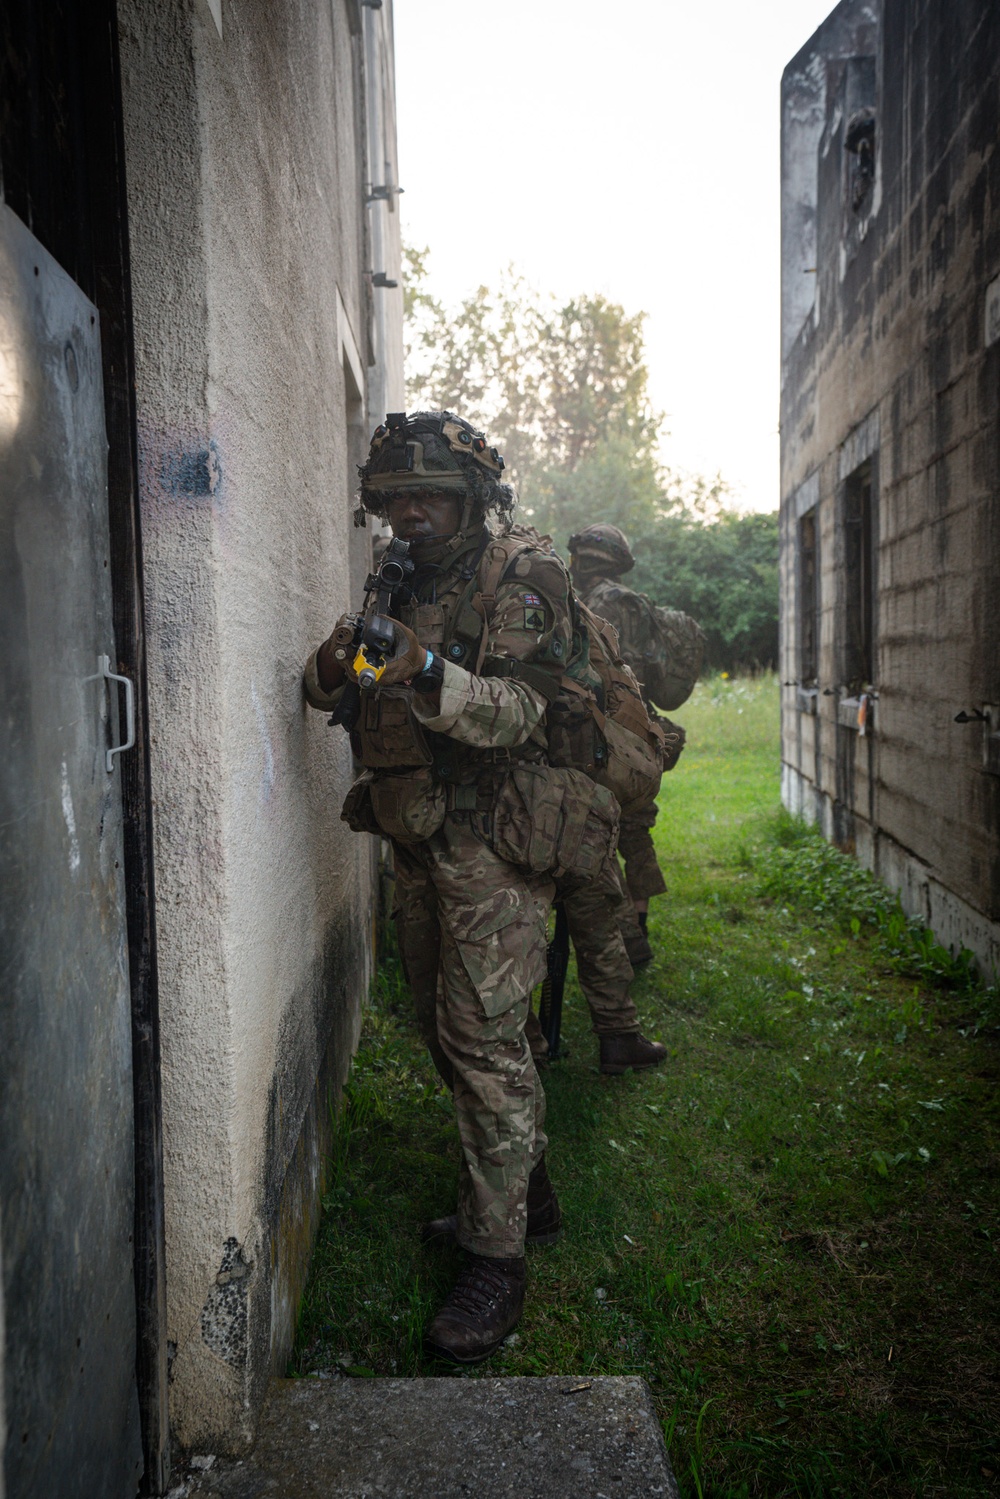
(369, 637)
(554, 982)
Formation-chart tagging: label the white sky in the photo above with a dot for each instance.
(630, 150)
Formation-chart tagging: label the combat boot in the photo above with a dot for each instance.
(484, 1307)
(544, 1214)
(623, 1050)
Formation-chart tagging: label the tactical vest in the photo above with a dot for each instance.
(390, 736)
(596, 721)
(539, 816)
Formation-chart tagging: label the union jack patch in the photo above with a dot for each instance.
(533, 601)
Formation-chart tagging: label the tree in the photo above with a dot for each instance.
(551, 384)
(724, 572)
(562, 389)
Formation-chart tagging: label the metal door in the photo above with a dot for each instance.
(66, 1129)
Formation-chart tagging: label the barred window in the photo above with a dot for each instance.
(860, 549)
(808, 601)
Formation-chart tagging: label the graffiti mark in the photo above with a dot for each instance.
(196, 474)
(70, 821)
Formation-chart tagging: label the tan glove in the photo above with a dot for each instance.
(409, 660)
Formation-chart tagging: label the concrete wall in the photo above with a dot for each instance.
(3, 1398)
(247, 134)
(893, 363)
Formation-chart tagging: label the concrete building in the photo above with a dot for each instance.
(200, 321)
(890, 450)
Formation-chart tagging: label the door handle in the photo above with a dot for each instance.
(104, 669)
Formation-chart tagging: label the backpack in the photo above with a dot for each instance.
(598, 722)
(635, 745)
(667, 647)
(678, 645)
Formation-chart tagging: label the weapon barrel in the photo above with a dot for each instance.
(554, 984)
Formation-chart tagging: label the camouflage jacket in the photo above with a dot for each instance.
(529, 622)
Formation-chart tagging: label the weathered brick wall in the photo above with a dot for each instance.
(892, 364)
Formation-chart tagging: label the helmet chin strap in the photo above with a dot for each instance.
(469, 517)
(437, 549)
(420, 540)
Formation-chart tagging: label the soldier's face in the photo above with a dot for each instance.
(415, 517)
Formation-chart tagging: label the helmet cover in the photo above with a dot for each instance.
(437, 452)
(604, 544)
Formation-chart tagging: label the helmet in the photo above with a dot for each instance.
(433, 450)
(603, 544)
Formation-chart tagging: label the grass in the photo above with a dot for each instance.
(790, 1230)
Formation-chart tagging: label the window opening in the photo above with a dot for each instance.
(808, 602)
(860, 135)
(859, 578)
(859, 140)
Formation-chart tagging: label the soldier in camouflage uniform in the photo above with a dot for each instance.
(600, 555)
(596, 912)
(472, 924)
(598, 916)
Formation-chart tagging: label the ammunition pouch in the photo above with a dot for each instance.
(575, 739)
(390, 735)
(554, 821)
(398, 794)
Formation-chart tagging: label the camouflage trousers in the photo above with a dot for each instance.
(472, 938)
(635, 844)
(594, 911)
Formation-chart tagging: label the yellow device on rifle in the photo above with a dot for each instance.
(366, 671)
(371, 634)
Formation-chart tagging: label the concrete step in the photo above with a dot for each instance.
(548, 1438)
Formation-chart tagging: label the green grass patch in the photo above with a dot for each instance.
(790, 1230)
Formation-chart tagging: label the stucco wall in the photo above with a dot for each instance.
(246, 157)
(894, 365)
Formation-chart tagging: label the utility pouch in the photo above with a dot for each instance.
(408, 805)
(358, 811)
(391, 737)
(633, 768)
(574, 739)
(635, 746)
(555, 821)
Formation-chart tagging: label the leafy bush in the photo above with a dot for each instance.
(811, 874)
